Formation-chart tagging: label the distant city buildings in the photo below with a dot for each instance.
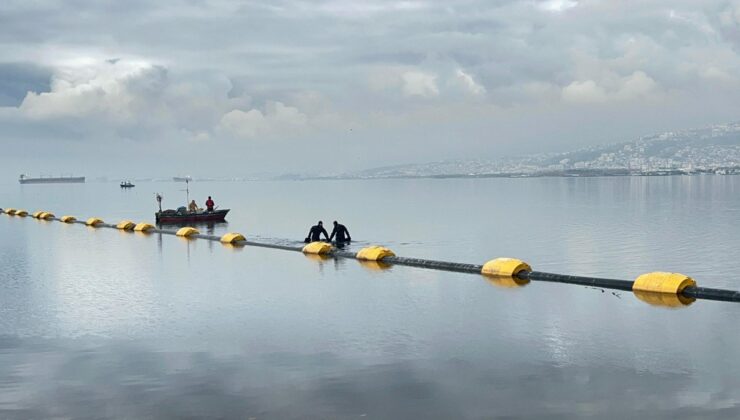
(714, 149)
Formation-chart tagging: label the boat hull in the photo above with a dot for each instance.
(50, 180)
(205, 217)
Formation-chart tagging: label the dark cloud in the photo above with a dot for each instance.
(17, 79)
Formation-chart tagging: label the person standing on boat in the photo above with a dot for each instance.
(210, 204)
(192, 207)
(341, 232)
(315, 233)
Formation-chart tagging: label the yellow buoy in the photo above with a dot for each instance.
(374, 253)
(68, 219)
(93, 221)
(318, 248)
(125, 225)
(21, 213)
(46, 215)
(187, 231)
(232, 237)
(143, 227)
(36, 214)
(663, 282)
(504, 267)
(10, 212)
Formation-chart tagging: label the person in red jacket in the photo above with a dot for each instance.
(209, 204)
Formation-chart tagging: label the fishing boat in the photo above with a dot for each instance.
(127, 184)
(182, 215)
(23, 179)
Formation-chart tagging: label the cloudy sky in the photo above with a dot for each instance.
(216, 87)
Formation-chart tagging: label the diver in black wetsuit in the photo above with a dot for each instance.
(315, 233)
(341, 232)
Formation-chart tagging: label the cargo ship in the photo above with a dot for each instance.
(23, 179)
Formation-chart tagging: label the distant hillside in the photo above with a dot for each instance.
(713, 149)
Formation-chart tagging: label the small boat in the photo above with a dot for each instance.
(127, 184)
(181, 216)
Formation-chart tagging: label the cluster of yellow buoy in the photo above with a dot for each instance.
(126, 225)
(659, 288)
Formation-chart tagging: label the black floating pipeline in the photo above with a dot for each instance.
(656, 288)
(583, 281)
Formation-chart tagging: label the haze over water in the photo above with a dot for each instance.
(101, 323)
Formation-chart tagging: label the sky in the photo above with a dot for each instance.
(143, 88)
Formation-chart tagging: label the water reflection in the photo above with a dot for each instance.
(95, 323)
(208, 228)
(664, 299)
(506, 282)
(132, 381)
(374, 265)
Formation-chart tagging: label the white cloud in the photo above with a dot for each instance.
(557, 5)
(466, 82)
(366, 9)
(277, 119)
(444, 80)
(198, 137)
(637, 85)
(87, 88)
(416, 83)
(246, 124)
(586, 91)
(138, 96)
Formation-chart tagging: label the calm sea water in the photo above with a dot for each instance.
(106, 324)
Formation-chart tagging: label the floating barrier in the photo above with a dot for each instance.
(656, 288)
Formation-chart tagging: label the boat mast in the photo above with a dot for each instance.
(187, 191)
